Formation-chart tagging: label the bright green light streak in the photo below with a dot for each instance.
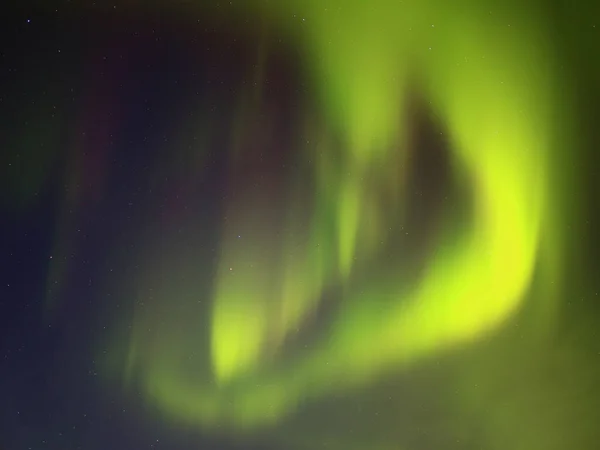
(492, 88)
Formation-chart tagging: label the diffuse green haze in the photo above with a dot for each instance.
(489, 78)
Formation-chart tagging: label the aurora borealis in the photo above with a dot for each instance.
(303, 224)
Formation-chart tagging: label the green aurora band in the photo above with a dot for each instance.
(490, 79)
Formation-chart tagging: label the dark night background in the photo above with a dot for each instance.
(102, 112)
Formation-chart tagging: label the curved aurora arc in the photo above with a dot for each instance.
(493, 92)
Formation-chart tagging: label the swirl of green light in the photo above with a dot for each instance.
(490, 82)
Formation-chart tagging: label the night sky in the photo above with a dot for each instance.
(298, 225)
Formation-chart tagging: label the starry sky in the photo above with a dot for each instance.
(299, 225)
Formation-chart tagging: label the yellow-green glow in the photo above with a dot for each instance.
(492, 89)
